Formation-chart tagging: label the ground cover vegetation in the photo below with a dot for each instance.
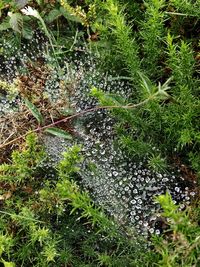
(47, 217)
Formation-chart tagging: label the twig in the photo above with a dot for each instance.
(72, 117)
(179, 14)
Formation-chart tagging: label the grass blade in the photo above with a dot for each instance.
(58, 132)
(34, 110)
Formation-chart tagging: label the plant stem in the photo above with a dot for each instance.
(72, 117)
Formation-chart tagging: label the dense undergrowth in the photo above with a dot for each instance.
(46, 217)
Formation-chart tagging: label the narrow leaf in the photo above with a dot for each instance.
(27, 30)
(53, 15)
(35, 112)
(145, 83)
(58, 132)
(16, 21)
(5, 25)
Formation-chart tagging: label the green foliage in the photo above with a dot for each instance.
(58, 132)
(24, 163)
(152, 33)
(27, 235)
(68, 190)
(52, 222)
(125, 44)
(168, 126)
(181, 62)
(68, 165)
(194, 158)
(6, 243)
(131, 127)
(36, 113)
(187, 7)
(169, 122)
(16, 21)
(183, 246)
(45, 222)
(157, 163)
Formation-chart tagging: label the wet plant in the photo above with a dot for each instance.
(33, 231)
(182, 245)
(114, 85)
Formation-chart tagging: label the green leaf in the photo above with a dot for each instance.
(8, 264)
(53, 14)
(69, 16)
(27, 31)
(58, 132)
(36, 113)
(16, 21)
(147, 86)
(5, 25)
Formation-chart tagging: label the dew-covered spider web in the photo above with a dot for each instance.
(123, 187)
